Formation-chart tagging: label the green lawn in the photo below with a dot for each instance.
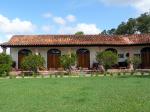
(93, 94)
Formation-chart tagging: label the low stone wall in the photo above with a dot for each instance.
(143, 70)
(18, 73)
(15, 73)
(127, 70)
(118, 70)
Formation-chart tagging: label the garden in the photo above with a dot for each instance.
(33, 65)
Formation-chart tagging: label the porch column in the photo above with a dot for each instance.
(4, 49)
(130, 56)
(36, 52)
(69, 51)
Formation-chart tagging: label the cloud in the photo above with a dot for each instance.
(119, 2)
(56, 19)
(59, 20)
(15, 26)
(66, 26)
(143, 5)
(71, 18)
(7, 37)
(86, 28)
(47, 15)
(140, 5)
(46, 28)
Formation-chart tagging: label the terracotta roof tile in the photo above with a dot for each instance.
(42, 40)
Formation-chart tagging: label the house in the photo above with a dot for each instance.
(86, 47)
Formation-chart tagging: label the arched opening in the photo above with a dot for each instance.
(83, 56)
(53, 56)
(112, 49)
(22, 54)
(145, 57)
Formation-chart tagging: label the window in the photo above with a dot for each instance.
(83, 51)
(25, 52)
(54, 51)
(121, 55)
(138, 55)
(127, 55)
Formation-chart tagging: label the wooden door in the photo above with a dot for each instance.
(20, 58)
(145, 56)
(21, 55)
(83, 58)
(53, 59)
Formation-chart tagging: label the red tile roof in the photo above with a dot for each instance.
(49, 40)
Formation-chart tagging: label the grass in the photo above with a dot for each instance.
(93, 94)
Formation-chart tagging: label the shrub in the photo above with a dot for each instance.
(68, 60)
(32, 63)
(135, 60)
(5, 64)
(107, 58)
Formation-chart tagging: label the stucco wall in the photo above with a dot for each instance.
(93, 50)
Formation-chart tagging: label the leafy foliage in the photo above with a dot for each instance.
(135, 60)
(79, 33)
(68, 60)
(143, 23)
(107, 58)
(109, 32)
(5, 63)
(140, 24)
(32, 62)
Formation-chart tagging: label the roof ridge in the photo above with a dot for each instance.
(82, 35)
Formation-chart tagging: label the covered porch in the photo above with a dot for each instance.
(86, 55)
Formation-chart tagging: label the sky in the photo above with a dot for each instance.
(65, 16)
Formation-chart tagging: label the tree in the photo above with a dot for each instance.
(104, 32)
(33, 63)
(5, 64)
(109, 32)
(143, 23)
(140, 24)
(68, 60)
(107, 58)
(79, 33)
(122, 29)
(131, 26)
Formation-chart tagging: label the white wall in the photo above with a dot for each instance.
(93, 50)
